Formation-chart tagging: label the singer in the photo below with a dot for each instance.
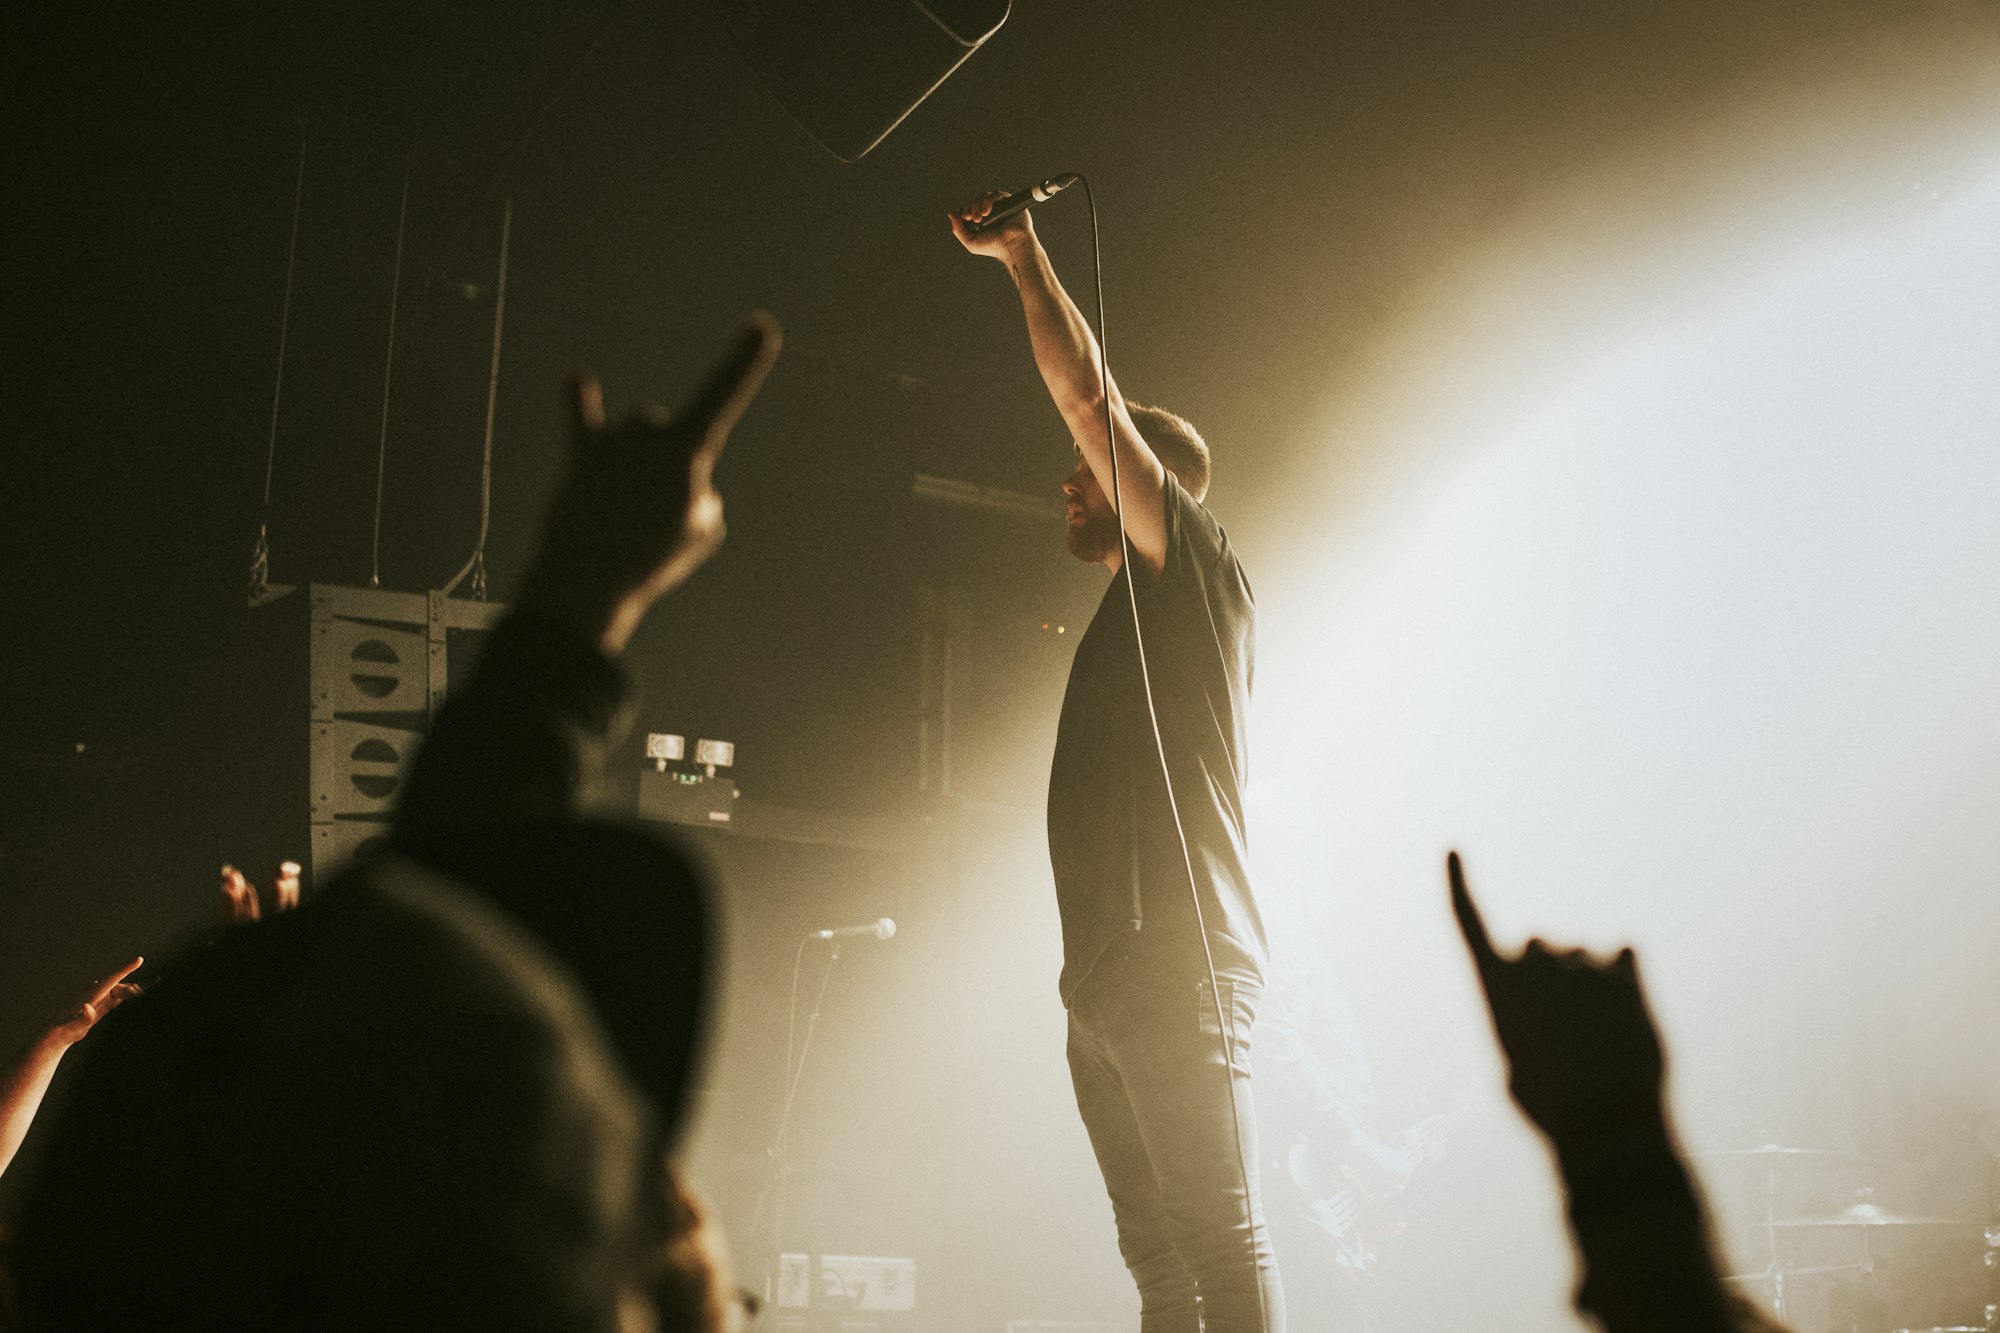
(1167, 1109)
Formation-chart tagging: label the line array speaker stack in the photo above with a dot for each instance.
(381, 664)
(323, 704)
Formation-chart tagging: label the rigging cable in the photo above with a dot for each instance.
(260, 554)
(475, 564)
(388, 367)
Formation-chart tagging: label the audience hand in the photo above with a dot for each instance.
(1584, 1057)
(102, 997)
(239, 896)
(25, 1081)
(639, 511)
(694, 1289)
(285, 888)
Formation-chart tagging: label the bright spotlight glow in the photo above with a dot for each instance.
(1702, 653)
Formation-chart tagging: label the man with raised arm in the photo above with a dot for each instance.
(1159, 1057)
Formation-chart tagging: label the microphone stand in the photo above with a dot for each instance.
(778, 1167)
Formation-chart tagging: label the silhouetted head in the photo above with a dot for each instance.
(391, 1109)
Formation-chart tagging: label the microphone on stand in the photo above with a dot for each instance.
(1007, 205)
(880, 929)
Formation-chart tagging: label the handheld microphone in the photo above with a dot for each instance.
(880, 929)
(1007, 205)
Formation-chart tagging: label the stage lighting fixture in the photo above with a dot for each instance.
(662, 747)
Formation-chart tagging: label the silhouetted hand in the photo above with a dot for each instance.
(1584, 1058)
(638, 511)
(694, 1288)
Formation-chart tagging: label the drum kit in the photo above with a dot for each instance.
(1855, 1251)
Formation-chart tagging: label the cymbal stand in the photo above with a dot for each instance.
(1775, 1269)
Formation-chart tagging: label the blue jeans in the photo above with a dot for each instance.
(1155, 1093)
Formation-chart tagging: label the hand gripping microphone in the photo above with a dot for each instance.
(880, 929)
(1007, 205)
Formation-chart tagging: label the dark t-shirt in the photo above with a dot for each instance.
(1118, 867)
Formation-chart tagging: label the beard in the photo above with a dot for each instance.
(1094, 538)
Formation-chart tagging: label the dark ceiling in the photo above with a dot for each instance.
(1272, 176)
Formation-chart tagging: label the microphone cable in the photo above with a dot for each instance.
(1225, 1035)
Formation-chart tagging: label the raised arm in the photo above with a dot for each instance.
(637, 513)
(1585, 1066)
(25, 1082)
(1072, 367)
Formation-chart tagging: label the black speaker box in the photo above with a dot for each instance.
(849, 71)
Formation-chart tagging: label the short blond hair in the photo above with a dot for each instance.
(1176, 443)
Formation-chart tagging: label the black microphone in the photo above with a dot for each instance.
(1007, 205)
(880, 929)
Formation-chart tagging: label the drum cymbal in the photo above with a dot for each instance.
(1872, 1215)
(1776, 1153)
(1818, 1270)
